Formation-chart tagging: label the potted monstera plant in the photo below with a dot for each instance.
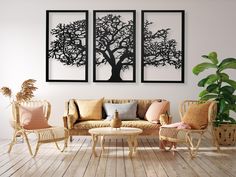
(220, 87)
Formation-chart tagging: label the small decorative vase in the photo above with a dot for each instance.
(116, 122)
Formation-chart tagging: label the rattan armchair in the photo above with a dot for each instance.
(46, 135)
(191, 137)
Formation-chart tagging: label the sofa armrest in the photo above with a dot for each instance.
(165, 119)
(68, 119)
(65, 122)
(66, 112)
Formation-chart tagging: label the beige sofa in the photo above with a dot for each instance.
(77, 127)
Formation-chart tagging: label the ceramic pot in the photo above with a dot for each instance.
(116, 122)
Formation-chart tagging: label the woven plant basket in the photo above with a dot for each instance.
(225, 134)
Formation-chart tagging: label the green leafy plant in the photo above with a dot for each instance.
(218, 86)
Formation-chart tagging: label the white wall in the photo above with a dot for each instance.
(210, 26)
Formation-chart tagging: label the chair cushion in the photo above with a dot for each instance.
(197, 115)
(32, 118)
(155, 110)
(90, 109)
(126, 111)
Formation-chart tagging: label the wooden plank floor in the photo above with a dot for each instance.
(149, 161)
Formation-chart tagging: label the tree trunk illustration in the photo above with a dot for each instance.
(115, 74)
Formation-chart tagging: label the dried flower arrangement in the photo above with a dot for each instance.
(25, 94)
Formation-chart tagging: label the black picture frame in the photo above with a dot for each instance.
(162, 46)
(66, 45)
(114, 46)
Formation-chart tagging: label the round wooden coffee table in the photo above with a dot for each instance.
(128, 132)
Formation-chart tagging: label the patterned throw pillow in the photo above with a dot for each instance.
(32, 118)
(90, 109)
(155, 110)
(126, 111)
(197, 115)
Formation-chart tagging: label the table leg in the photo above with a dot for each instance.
(95, 139)
(102, 143)
(135, 143)
(130, 143)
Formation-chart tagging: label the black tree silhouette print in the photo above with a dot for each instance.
(69, 46)
(158, 49)
(114, 44)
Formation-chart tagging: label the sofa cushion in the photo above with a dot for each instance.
(197, 115)
(90, 109)
(143, 124)
(142, 107)
(155, 110)
(126, 111)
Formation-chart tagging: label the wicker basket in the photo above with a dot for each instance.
(225, 134)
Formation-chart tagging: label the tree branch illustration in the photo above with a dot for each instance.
(159, 50)
(69, 44)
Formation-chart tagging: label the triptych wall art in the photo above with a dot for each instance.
(67, 46)
(162, 46)
(114, 46)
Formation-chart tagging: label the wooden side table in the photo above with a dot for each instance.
(129, 132)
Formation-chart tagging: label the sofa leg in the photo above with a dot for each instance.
(71, 139)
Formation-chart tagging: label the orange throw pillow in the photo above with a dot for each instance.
(197, 115)
(90, 109)
(32, 118)
(155, 110)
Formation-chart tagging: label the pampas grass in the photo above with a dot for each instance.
(25, 94)
(6, 91)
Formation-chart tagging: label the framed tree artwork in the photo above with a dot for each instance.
(114, 46)
(162, 57)
(67, 46)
